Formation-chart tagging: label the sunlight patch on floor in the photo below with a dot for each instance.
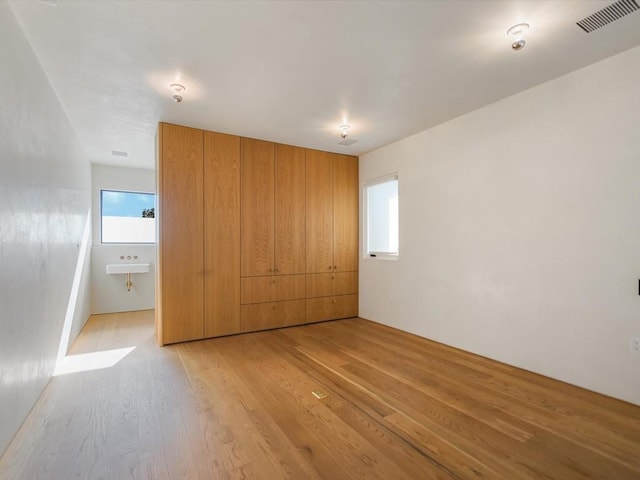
(84, 362)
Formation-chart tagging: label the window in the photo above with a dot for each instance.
(127, 217)
(381, 210)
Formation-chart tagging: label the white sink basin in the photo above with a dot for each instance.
(116, 268)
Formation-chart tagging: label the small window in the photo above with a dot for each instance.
(381, 207)
(127, 217)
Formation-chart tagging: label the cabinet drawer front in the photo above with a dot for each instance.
(273, 288)
(331, 308)
(345, 283)
(328, 284)
(261, 316)
(320, 285)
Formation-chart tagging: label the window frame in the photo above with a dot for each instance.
(100, 222)
(365, 241)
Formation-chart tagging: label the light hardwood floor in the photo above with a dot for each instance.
(398, 407)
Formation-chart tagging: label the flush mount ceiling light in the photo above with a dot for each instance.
(344, 130)
(516, 35)
(177, 90)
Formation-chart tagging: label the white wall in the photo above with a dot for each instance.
(44, 205)
(108, 292)
(520, 230)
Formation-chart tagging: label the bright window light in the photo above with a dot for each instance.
(127, 217)
(381, 203)
(85, 362)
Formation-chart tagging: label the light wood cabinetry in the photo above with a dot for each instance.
(319, 207)
(257, 207)
(273, 234)
(263, 316)
(273, 209)
(272, 288)
(180, 254)
(332, 212)
(332, 233)
(252, 235)
(198, 292)
(345, 213)
(289, 224)
(328, 284)
(331, 308)
(221, 234)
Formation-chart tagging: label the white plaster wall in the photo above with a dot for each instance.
(44, 204)
(520, 230)
(108, 292)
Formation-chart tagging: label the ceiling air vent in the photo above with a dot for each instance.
(346, 142)
(609, 14)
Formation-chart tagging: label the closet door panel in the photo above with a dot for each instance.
(345, 213)
(222, 234)
(181, 231)
(289, 210)
(319, 212)
(257, 207)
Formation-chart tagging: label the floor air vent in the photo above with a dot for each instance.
(609, 14)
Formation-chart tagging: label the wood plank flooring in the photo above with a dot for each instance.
(241, 407)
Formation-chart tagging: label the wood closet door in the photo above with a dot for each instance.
(345, 213)
(257, 207)
(289, 210)
(181, 230)
(319, 211)
(221, 234)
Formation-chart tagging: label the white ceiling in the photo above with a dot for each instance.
(291, 71)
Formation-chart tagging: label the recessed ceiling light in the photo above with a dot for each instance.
(177, 90)
(516, 35)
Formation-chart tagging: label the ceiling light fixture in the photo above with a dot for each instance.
(516, 35)
(177, 90)
(344, 130)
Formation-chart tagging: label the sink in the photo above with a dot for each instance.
(116, 268)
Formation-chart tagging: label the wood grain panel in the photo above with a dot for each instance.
(257, 207)
(272, 288)
(320, 284)
(181, 233)
(221, 234)
(331, 308)
(345, 213)
(319, 211)
(345, 283)
(261, 316)
(290, 178)
(328, 284)
(346, 306)
(158, 280)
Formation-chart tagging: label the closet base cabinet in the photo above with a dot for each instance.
(331, 308)
(264, 316)
(252, 235)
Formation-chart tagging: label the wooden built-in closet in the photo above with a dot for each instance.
(252, 235)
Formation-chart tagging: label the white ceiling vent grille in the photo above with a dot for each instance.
(609, 14)
(346, 142)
